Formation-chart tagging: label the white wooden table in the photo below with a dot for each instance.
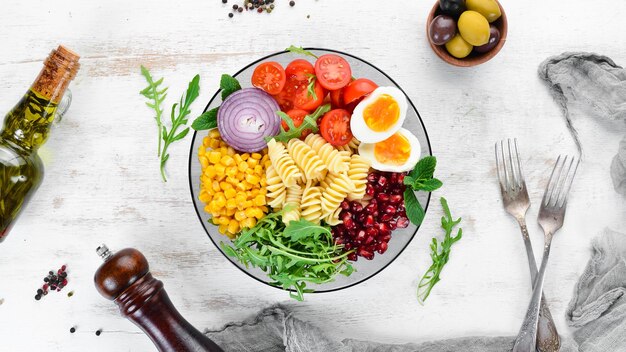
(102, 182)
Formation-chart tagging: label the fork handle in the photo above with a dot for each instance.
(526, 340)
(548, 339)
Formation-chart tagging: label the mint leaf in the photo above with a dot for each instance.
(427, 185)
(414, 210)
(300, 50)
(229, 85)
(424, 169)
(206, 121)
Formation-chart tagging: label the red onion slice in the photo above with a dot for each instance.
(246, 117)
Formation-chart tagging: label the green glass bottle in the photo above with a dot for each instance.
(26, 128)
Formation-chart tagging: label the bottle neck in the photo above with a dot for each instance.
(28, 124)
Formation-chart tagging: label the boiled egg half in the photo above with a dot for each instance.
(398, 153)
(379, 115)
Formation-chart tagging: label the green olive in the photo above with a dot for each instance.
(474, 28)
(458, 47)
(487, 8)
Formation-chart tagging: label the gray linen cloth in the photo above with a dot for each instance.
(595, 83)
(597, 310)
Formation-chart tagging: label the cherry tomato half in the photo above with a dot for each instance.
(358, 89)
(297, 115)
(332, 71)
(336, 98)
(335, 127)
(269, 76)
(300, 70)
(305, 101)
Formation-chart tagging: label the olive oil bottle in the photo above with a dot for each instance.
(26, 128)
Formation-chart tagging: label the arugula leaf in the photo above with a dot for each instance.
(156, 95)
(179, 118)
(300, 229)
(440, 253)
(206, 121)
(309, 122)
(229, 85)
(414, 210)
(292, 255)
(310, 88)
(300, 50)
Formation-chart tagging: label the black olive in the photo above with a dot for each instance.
(452, 8)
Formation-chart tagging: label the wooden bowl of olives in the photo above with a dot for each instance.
(466, 33)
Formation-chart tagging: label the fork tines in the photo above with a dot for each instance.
(560, 181)
(508, 165)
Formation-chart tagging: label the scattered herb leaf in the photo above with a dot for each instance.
(292, 255)
(414, 210)
(300, 50)
(440, 253)
(178, 117)
(309, 122)
(156, 95)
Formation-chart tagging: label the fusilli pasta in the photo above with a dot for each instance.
(283, 163)
(276, 190)
(306, 158)
(312, 203)
(335, 189)
(293, 200)
(336, 161)
(359, 167)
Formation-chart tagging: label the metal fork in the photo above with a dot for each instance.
(551, 215)
(516, 203)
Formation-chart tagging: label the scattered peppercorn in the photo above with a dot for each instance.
(70, 294)
(53, 282)
(98, 332)
(235, 7)
(73, 329)
(240, 9)
(292, 3)
(231, 15)
(224, 1)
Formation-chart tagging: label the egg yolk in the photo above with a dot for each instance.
(383, 113)
(394, 150)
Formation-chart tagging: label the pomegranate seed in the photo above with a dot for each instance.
(366, 254)
(382, 247)
(392, 225)
(371, 208)
(63, 267)
(357, 207)
(369, 240)
(385, 238)
(394, 177)
(352, 256)
(348, 246)
(369, 221)
(401, 178)
(369, 190)
(360, 236)
(402, 222)
(382, 197)
(348, 223)
(385, 233)
(361, 218)
(372, 177)
(371, 232)
(386, 218)
(382, 181)
(339, 240)
(390, 209)
(345, 205)
(396, 199)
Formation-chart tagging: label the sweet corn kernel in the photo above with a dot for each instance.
(206, 140)
(214, 144)
(231, 151)
(204, 161)
(231, 212)
(220, 170)
(240, 176)
(223, 229)
(247, 204)
(232, 180)
(233, 226)
(214, 133)
(215, 157)
(240, 215)
(245, 156)
(256, 156)
(204, 197)
(240, 186)
(252, 162)
(225, 185)
(216, 186)
(249, 223)
(249, 212)
(231, 171)
(227, 160)
(242, 166)
(258, 170)
(229, 193)
(259, 200)
(231, 204)
(252, 179)
(210, 171)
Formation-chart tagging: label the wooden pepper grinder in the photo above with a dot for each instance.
(125, 278)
